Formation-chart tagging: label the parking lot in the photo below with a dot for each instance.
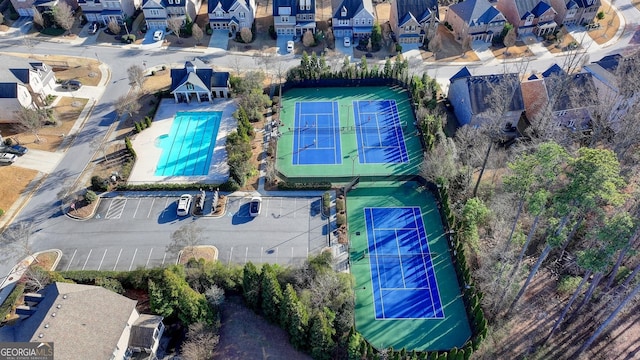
(131, 232)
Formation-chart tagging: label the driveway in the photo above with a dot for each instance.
(131, 232)
(219, 40)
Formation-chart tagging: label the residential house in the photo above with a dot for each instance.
(478, 19)
(231, 15)
(25, 7)
(23, 84)
(157, 12)
(566, 99)
(294, 17)
(85, 322)
(196, 80)
(575, 12)
(410, 19)
(104, 11)
(529, 16)
(352, 18)
(474, 98)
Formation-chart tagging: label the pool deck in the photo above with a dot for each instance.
(148, 153)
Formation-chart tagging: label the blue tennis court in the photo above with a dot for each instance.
(379, 132)
(316, 138)
(403, 281)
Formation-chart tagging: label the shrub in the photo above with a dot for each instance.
(164, 68)
(568, 284)
(209, 31)
(8, 141)
(246, 35)
(398, 47)
(326, 202)
(341, 219)
(147, 120)
(153, 73)
(98, 183)
(137, 127)
(8, 304)
(90, 196)
(1, 212)
(127, 143)
(340, 205)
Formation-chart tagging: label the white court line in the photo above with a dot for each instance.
(87, 260)
(137, 206)
(72, 257)
(103, 255)
(151, 207)
(400, 258)
(117, 260)
(133, 259)
(149, 258)
(230, 254)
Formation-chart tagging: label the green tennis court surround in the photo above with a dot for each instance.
(391, 148)
(419, 329)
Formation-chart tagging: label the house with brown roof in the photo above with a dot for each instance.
(575, 12)
(85, 322)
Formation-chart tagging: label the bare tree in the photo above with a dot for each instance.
(36, 278)
(1, 18)
(136, 76)
(446, 167)
(435, 44)
(466, 45)
(201, 342)
(16, 240)
(32, 120)
(127, 104)
(174, 24)
(98, 144)
(63, 16)
(113, 26)
(37, 17)
(215, 296)
(197, 33)
(235, 61)
(185, 239)
(246, 35)
(509, 40)
(307, 39)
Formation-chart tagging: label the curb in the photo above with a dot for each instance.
(93, 213)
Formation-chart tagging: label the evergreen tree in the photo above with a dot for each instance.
(251, 286)
(271, 294)
(376, 36)
(322, 332)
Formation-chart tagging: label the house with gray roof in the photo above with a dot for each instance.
(157, 12)
(196, 80)
(105, 11)
(409, 19)
(529, 16)
(85, 322)
(478, 19)
(231, 15)
(352, 18)
(475, 99)
(575, 12)
(294, 17)
(23, 83)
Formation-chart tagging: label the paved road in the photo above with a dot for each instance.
(127, 233)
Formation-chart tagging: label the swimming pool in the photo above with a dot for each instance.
(187, 149)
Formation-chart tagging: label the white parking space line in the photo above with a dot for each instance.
(87, 260)
(117, 259)
(72, 257)
(230, 254)
(117, 206)
(133, 259)
(166, 203)
(101, 261)
(164, 258)
(151, 207)
(246, 252)
(149, 258)
(295, 207)
(137, 206)
(261, 252)
(276, 255)
(292, 252)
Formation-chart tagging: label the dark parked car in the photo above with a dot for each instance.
(16, 149)
(72, 85)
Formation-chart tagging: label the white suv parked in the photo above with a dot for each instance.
(6, 158)
(184, 204)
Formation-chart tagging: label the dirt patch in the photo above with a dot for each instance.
(13, 182)
(566, 42)
(608, 26)
(82, 209)
(46, 260)
(208, 253)
(517, 51)
(142, 297)
(245, 335)
(383, 12)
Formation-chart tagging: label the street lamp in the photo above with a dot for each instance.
(353, 165)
